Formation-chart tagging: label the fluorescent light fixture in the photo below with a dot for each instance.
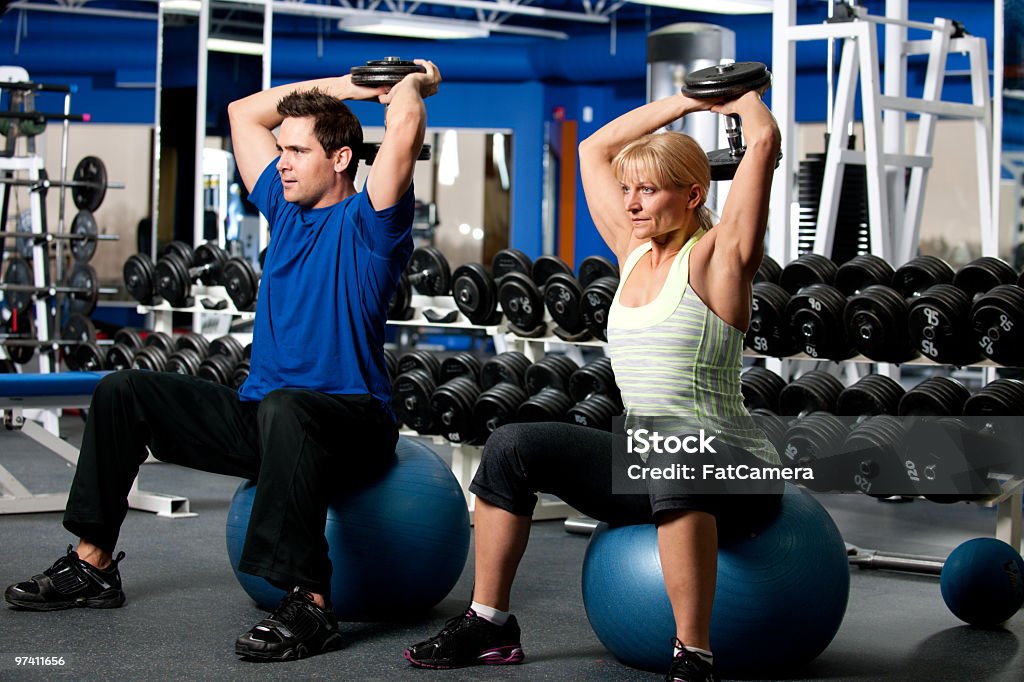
(498, 154)
(180, 6)
(448, 164)
(233, 46)
(715, 6)
(406, 26)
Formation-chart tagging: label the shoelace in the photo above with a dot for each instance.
(61, 563)
(455, 624)
(288, 608)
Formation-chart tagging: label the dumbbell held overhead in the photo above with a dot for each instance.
(725, 82)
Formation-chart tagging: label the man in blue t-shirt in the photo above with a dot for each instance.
(315, 410)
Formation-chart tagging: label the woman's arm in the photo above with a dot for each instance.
(602, 189)
(744, 220)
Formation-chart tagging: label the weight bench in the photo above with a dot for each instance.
(19, 392)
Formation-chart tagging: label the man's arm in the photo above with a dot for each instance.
(254, 118)
(406, 122)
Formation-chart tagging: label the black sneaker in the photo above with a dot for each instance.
(689, 666)
(70, 582)
(296, 629)
(469, 640)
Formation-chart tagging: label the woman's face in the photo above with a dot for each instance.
(654, 209)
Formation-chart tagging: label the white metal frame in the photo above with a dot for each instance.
(15, 498)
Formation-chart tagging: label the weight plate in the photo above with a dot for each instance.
(726, 81)
(172, 282)
(183, 250)
(210, 254)
(82, 277)
(474, 293)
(597, 299)
(387, 71)
(398, 308)
(241, 282)
(429, 272)
(563, 297)
(546, 266)
(78, 328)
(510, 260)
(19, 273)
(521, 301)
(139, 274)
(90, 170)
(84, 225)
(596, 267)
(19, 328)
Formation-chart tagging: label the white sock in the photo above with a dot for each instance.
(703, 653)
(490, 614)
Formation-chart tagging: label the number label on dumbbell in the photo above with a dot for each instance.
(811, 350)
(928, 348)
(932, 317)
(760, 344)
(1006, 323)
(792, 451)
(814, 303)
(986, 344)
(862, 483)
(912, 471)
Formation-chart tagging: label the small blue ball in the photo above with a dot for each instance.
(982, 582)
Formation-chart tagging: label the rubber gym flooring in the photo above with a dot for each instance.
(185, 607)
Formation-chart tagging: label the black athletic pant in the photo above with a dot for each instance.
(301, 447)
(575, 464)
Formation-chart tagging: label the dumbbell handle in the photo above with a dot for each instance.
(200, 270)
(417, 277)
(734, 135)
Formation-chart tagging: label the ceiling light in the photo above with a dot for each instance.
(180, 6)
(405, 26)
(715, 6)
(234, 46)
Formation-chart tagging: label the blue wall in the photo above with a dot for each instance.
(500, 82)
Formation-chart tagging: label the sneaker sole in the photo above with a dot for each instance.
(292, 654)
(506, 655)
(103, 601)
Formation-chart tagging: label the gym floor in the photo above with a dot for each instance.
(185, 607)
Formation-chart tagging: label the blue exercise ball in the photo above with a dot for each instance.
(397, 546)
(982, 581)
(779, 600)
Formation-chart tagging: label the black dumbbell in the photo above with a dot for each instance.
(475, 294)
(725, 82)
(175, 274)
(241, 281)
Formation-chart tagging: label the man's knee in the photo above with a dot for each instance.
(116, 386)
(278, 404)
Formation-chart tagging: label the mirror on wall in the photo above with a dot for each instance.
(463, 193)
(196, 192)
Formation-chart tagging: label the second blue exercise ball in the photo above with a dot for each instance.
(397, 546)
(982, 581)
(780, 597)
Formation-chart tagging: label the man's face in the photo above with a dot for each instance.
(308, 175)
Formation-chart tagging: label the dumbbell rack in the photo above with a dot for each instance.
(466, 458)
(162, 312)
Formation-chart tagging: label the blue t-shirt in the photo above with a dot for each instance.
(323, 299)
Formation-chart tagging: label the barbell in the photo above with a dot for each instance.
(88, 184)
(83, 236)
(80, 286)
